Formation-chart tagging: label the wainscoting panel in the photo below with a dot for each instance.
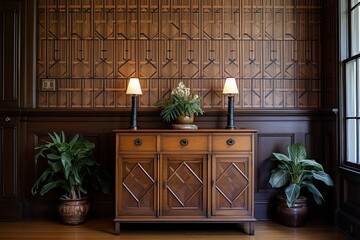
(267, 144)
(275, 133)
(347, 215)
(9, 52)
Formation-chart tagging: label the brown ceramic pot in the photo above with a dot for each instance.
(295, 216)
(185, 119)
(73, 211)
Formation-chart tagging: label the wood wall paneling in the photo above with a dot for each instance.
(9, 52)
(267, 144)
(9, 146)
(350, 194)
(11, 206)
(273, 48)
(347, 215)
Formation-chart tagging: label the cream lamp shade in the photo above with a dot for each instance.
(230, 86)
(134, 87)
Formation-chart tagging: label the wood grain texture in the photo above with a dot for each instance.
(104, 230)
(196, 181)
(272, 48)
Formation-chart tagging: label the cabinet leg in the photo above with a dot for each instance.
(251, 230)
(248, 228)
(117, 228)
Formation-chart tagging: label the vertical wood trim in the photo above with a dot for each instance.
(9, 65)
(8, 161)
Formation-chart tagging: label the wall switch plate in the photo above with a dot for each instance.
(48, 85)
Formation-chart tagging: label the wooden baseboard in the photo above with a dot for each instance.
(14, 212)
(347, 223)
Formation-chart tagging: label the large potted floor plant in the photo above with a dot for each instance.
(72, 168)
(296, 174)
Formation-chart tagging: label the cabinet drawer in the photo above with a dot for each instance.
(186, 142)
(137, 143)
(232, 143)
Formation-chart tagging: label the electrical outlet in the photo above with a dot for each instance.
(48, 85)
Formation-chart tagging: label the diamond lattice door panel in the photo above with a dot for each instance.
(137, 185)
(231, 190)
(184, 185)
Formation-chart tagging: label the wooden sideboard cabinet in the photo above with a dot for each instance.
(202, 175)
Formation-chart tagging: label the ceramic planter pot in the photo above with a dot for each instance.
(73, 211)
(295, 216)
(185, 119)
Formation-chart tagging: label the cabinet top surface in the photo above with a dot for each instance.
(227, 131)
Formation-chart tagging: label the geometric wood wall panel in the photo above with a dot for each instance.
(271, 47)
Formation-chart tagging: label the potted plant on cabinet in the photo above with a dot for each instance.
(296, 173)
(73, 169)
(182, 106)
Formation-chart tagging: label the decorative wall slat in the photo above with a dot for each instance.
(91, 48)
(9, 50)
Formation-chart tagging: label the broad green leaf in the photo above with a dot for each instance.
(324, 177)
(51, 185)
(53, 156)
(316, 193)
(281, 157)
(311, 164)
(279, 178)
(297, 152)
(292, 192)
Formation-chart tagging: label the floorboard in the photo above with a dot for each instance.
(104, 230)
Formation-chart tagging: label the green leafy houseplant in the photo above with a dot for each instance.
(72, 167)
(181, 102)
(296, 172)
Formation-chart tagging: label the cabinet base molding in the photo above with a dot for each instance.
(247, 227)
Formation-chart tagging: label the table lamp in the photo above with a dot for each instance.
(134, 89)
(230, 88)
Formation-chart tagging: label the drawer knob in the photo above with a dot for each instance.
(184, 142)
(230, 142)
(138, 142)
(7, 119)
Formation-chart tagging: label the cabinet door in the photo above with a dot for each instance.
(184, 180)
(136, 185)
(232, 193)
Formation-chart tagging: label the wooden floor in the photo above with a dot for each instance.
(103, 230)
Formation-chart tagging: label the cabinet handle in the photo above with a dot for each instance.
(184, 142)
(138, 142)
(230, 142)
(7, 119)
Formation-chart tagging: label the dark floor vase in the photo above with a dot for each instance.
(73, 211)
(295, 216)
